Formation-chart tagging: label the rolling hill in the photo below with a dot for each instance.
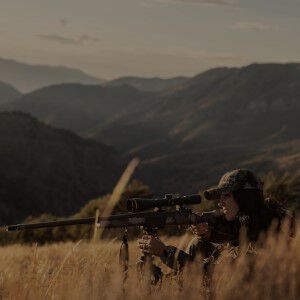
(188, 135)
(44, 169)
(79, 107)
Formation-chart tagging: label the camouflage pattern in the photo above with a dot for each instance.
(198, 247)
(224, 236)
(239, 179)
(208, 250)
(255, 215)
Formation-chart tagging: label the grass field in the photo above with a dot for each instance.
(86, 270)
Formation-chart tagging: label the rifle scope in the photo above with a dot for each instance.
(140, 204)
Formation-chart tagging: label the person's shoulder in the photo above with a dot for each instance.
(281, 213)
(276, 210)
(274, 205)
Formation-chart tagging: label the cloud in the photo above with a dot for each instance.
(252, 26)
(207, 2)
(65, 40)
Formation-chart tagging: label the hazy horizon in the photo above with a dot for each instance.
(141, 76)
(150, 38)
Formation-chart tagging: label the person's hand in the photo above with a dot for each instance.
(202, 230)
(152, 245)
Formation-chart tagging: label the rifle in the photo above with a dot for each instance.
(139, 215)
(157, 219)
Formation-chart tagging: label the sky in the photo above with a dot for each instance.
(164, 38)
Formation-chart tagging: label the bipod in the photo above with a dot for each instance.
(124, 256)
(145, 265)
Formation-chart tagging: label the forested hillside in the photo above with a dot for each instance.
(44, 169)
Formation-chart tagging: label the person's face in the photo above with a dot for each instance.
(229, 206)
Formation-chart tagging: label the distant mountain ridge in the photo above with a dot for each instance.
(48, 170)
(8, 93)
(190, 134)
(154, 84)
(218, 101)
(77, 107)
(27, 77)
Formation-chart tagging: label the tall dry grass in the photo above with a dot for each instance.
(91, 271)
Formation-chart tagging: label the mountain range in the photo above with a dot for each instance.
(78, 107)
(190, 133)
(147, 84)
(27, 77)
(49, 170)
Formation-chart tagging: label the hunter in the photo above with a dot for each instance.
(242, 205)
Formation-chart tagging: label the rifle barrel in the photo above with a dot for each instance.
(18, 227)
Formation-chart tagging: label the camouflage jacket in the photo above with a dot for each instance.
(225, 232)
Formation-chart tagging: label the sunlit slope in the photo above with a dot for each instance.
(222, 119)
(92, 271)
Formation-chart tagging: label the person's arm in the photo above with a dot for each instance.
(175, 258)
(169, 255)
(172, 256)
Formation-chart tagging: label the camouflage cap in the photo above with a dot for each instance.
(239, 179)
